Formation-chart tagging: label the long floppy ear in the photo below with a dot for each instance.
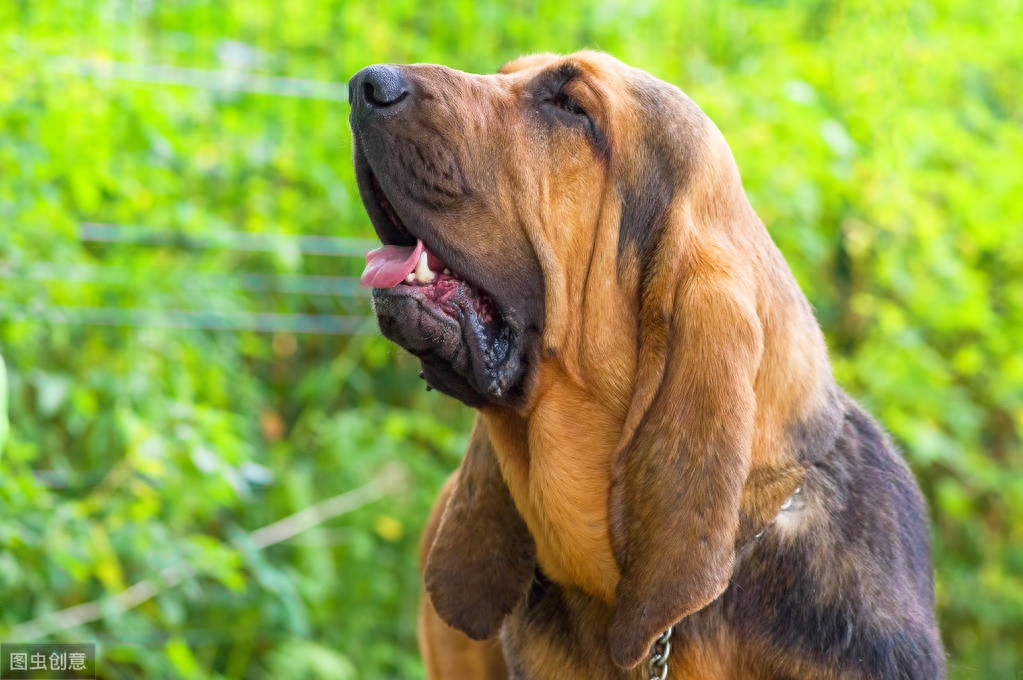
(680, 468)
(483, 558)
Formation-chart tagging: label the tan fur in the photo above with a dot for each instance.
(555, 479)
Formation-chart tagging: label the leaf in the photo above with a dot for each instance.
(181, 657)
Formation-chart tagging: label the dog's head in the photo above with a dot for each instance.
(571, 235)
(510, 188)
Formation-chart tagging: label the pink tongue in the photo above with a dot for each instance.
(389, 265)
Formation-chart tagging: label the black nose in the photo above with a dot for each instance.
(377, 88)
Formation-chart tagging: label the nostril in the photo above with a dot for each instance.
(382, 86)
(368, 94)
(382, 97)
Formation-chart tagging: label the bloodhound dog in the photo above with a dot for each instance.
(664, 479)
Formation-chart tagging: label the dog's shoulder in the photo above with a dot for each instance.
(843, 580)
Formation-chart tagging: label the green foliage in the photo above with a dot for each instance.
(880, 142)
(4, 420)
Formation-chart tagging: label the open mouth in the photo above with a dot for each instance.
(414, 266)
(467, 346)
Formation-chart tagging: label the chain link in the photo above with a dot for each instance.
(659, 653)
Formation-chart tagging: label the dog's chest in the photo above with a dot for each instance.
(562, 633)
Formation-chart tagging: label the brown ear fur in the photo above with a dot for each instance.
(685, 453)
(483, 557)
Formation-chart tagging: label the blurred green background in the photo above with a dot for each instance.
(185, 364)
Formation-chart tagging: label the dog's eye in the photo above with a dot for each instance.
(566, 103)
(562, 108)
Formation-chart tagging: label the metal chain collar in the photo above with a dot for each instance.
(659, 653)
(661, 648)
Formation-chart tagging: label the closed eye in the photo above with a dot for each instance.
(552, 96)
(567, 104)
(566, 109)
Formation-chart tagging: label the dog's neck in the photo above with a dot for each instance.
(557, 465)
(557, 459)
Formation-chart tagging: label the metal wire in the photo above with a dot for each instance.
(207, 79)
(226, 239)
(260, 322)
(288, 284)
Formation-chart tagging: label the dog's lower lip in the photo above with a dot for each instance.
(449, 294)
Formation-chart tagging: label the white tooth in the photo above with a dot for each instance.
(410, 278)
(447, 271)
(423, 272)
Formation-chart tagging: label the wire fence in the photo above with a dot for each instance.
(221, 80)
(260, 322)
(185, 280)
(234, 79)
(231, 240)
